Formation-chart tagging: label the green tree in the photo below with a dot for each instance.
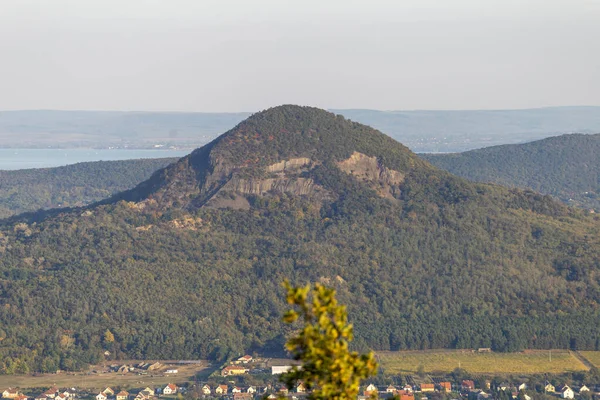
(328, 368)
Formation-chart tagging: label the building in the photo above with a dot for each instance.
(549, 388)
(427, 387)
(10, 393)
(445, 387)
(370, 390)
(468, 384)
(170, 389)
(567, 393)
(122, 395)
(280, 369)
(221, 389)
(233, 370)
(244, 359)
(101, 396)
(205, 389)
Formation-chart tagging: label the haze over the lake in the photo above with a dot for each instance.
(218, 55)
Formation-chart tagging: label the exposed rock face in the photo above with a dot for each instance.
(285, 178)
(368, 169)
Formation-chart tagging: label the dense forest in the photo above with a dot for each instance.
(190, 263)
(567, 167)
(73, 185)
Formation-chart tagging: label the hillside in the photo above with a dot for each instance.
(567, 167)
(189, 263)
(71, 186)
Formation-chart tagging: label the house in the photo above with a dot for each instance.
(251, 390)
(205, 389)
(584, 389)
(549, 388)
(567, 393)
(21, 397)
(221, 389)
(108, 391)
(445, 386)
(244, 359)
(233, 370)
(10, 393)
(101, 396)
(371, 389)
(280, 369)
(236, 390)
(427, 387)
(51, 393)
(468, 384)
(170, 389)
(522, 386)
(503, 386)
(149, 392)
(242, 396)
(122, 395)
(483, 396)
(60, 397)
(390, 389)
(41, 397)
(407, 389)
(300, 388)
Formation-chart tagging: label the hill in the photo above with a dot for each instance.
(420, 130)
(189, 263)
(71, 186)
(567, 167)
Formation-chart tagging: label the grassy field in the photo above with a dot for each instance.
(100, 381)
(592, 356)
(527, 362)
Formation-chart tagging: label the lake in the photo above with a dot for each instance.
(11, 159)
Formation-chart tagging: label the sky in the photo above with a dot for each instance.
(228, 56)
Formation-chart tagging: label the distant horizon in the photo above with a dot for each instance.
(303, 105)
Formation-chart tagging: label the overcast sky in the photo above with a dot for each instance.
(204, 55)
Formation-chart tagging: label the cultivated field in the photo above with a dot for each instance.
(99, 381)
(592, 356)
(527, 362)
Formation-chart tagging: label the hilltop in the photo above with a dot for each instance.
(567, 167)
(189, 263)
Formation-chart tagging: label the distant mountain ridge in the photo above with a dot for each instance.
(188, 264)
(566, 166)
(422, 131)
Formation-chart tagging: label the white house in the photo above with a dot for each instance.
(251, 390)
(170, 389)
(205, 389)
(567, 393)
(584, 389)
(101, 396)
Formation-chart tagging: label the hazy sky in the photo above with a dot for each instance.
(204, 55)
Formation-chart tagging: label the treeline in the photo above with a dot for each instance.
(567, 167)
(73, 185)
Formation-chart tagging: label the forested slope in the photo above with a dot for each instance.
(567, 167)
(189, 264)
(73, 185)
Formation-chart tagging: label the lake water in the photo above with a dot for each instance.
(11, 159)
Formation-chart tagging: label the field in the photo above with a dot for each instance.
(99, 381)
(443, 361)
(593, 357)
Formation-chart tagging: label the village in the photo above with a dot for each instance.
(249, 378)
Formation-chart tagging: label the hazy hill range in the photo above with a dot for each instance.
(567, 167)
(422, 131)
(71, 186)
(189, 263)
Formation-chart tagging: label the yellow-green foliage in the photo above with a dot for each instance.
(528, 362)
(328, 367)
(592, 356)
